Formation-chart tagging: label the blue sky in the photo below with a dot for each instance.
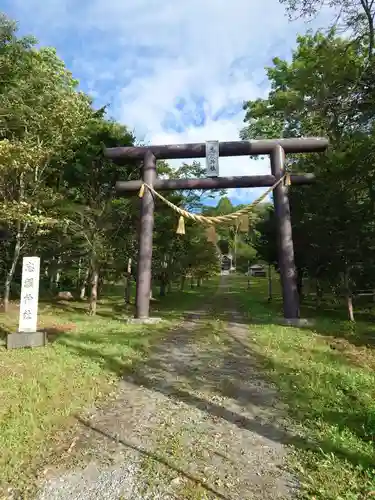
(173, 71)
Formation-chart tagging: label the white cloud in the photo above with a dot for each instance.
(144, 55)
(214, 49)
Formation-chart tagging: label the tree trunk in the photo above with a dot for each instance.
(128, 283)
(16, 251)
(94, 287)
(192, 282)
(10, 273)
(100, 286)
(162, 286)
(169, 274)
(55, 271)
(348, 294)
(182, 284)
(51, 281)
(51, 272)
(79, 272)
(82, 293)
(128, 289)
(269, 283)
(57, 279)
(300, 284)
(350, 308)
(163, 282)
(319, 293)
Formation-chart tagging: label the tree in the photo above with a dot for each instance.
(355, 16)
(91, 213)
(314, 95)
(265, 242)
(43, 118)
(231, 238)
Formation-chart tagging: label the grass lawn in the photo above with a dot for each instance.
(326, 375)
(42, 389)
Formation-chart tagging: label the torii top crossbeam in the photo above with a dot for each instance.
(234, 148)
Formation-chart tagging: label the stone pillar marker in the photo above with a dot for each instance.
(28, 335)
(29, 295)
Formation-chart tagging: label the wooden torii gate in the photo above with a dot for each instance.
(275, 148)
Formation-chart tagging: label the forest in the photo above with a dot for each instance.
(57, 190)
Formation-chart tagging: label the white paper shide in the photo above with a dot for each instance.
(29, 294)
(212, 158)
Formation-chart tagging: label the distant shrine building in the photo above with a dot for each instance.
(227, 263)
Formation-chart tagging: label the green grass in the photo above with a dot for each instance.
(326, 375)
(42, 389)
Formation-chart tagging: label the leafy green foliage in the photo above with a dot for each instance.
(313, 94)
(326, 376)
(231, 239)
(57, 189)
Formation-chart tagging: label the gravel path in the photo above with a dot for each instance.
(196, 421)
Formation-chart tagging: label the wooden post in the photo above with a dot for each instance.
(285, 241)
(146, 227)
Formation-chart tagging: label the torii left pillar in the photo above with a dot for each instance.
(146, 227)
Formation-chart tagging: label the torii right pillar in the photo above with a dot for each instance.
(287, 267)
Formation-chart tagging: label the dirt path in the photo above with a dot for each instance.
(196, 421)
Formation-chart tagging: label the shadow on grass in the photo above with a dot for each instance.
(330, 320)
(236, 372)
(3, 335)
(325, 390)
(54, 333)
(170, 307)
(325, 373)
(157, 458)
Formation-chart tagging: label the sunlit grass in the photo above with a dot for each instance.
(326, 375)
(42, 389)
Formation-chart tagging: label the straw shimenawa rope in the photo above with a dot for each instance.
(217, 219)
